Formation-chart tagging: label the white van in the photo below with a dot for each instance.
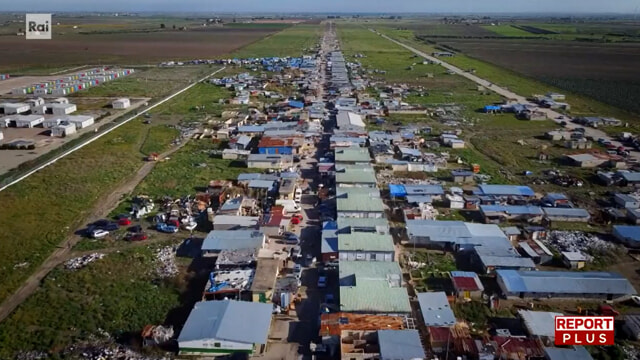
(297, 197)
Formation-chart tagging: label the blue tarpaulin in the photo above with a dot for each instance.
(397, 190)
(296, 104)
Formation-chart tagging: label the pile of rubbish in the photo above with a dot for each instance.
(31, 355)
(577, 241)
(109, 351)
(156, 335)
(82, 261)
(166, 263)
(631, 352)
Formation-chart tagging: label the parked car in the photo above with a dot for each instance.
(124, 221)
(99, 233)
(296, 219)
(162, 227)
(110, 227)
(291, 238)
(136, 237)
(296, 252)
(329, 299)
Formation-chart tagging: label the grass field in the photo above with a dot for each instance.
(185, 174)
(290, 42)
(148, 82)
(158, 139)
(508, 31)
(117, 294)
(521, 84)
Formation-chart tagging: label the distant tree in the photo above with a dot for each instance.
(234, 20)
(162, 26)
(174, 26)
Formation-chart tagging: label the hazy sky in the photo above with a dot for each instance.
(464, 6)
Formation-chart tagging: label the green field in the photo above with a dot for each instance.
(290, 42)
(158, 139)
(184, 173)
(508, 31)
(118, 294)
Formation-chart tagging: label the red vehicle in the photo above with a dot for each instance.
(124, 221)
(296, 219)
(137, 237)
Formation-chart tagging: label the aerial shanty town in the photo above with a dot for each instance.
(355, 236)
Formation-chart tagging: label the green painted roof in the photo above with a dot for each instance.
(358, 199)
(374, 296)
(368, 270)
(353, 174)
(362, 222)
(365, 241)
(355, 154)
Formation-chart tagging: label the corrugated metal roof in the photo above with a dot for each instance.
(424, 189)
(353, 154)
(539, 323)
(374, 296)
(466, 281)
(400, 345)
(418, 199)
(512, 209)
(505, 190)
(261, 184)
(565, 282)
(365, 242)
(573, 353)
(334, 324)
(354, 174)
(435, 309)
(232, 239)
(358, 199)
(631, 176)
(511, 230)
(567, 212)
(219, 320)
(350, 272)
(362, 223)
(627, 232)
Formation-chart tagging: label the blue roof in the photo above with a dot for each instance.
(296, 104)
(555, 196)
(512, 209)
(565, 282)
(397, 190)
(251, 128)
(424, 189)
(461, 173)
(261, 184)
(631, 176)
(400, 345)
(492, 107)
(505, 190)
(628, 232)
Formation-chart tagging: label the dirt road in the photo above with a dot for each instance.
(104, 207)
(551, 114)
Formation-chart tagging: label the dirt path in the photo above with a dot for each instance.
(104, 207)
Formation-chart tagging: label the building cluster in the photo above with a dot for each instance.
(70, 84)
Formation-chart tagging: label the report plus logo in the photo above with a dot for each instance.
(584, 330)
(38, 26)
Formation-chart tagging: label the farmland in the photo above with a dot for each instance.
(289, 42)
(73, 49)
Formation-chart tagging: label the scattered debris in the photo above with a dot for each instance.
(166, 260)
(577, 241)
(21, 265)
(153, 335)
(82, 261)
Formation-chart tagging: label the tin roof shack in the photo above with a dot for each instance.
(280, 145)
(241, 142)
(264, 279)
(564, 284)
(506, 191)
(540, 324)
(628, 235)
(512, 232)
(352, 156)
(212, 328)
(347, 120)
(629, 178)
(436, 192)
(275, 222)
(631, 326)
(21, 121)
(267, 161)
(366, 247)
(626, 201)
(219, 240)
(232, 258)
(467, 285)
(499, 254)
(359, 202)
(575, 259)
(231, 284)
(400, 345)
(372, 288)
(587, 160)
(238, 206)
(570, 353)
(495, 214)
(230, 222)
(435, 309)
(14, 108)
(355, 175)
(511, 348)
(567, 214)
(456, 235)
(462, 176)
(537, 251)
